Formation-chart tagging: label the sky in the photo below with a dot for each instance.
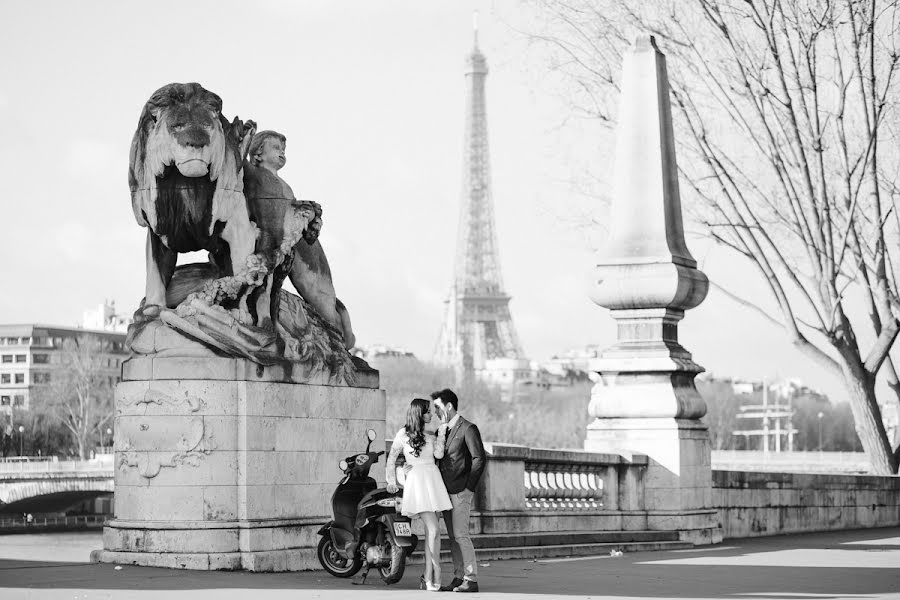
(370, 97)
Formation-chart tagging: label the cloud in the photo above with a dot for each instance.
(73, 241)
(88, 159)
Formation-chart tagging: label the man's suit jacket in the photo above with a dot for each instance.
(463, 461)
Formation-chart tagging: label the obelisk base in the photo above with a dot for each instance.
(678, 480)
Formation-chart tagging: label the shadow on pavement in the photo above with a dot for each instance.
(844, 565)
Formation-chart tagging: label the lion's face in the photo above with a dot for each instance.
(186, 130)
(181, 132)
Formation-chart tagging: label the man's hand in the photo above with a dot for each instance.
(407, 469)
(441, 411)
(392, 488)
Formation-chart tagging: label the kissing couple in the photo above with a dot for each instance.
(444, 465)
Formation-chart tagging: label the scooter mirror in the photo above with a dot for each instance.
(343, 465)
(371, 434)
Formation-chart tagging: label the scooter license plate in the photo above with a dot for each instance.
(402, 529)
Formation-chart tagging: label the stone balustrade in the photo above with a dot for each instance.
(572, 486)
(518, 478)
(535, 489)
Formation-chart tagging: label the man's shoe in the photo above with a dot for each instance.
(452, 585)
(467, 586)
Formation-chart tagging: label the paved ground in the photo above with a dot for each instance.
(856, 564)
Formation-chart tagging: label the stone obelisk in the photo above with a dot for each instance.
(646, 401)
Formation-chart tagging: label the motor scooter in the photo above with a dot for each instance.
(368, 529)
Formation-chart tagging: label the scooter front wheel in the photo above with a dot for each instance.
(393, 571)
(333, 562)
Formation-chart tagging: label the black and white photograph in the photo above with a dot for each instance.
(522, 299)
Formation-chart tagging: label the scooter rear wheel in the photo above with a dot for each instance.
(333, 562)
(393, 571)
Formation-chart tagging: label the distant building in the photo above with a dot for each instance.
(104, 318)
(30, 356)
(793, 388)
(507, 372)
(743, 387)
(379, 351)
(575, 359)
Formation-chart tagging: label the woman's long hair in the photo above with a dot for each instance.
(415, 423)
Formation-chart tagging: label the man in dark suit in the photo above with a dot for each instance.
(461, 469)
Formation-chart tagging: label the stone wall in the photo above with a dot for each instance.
(752, 504)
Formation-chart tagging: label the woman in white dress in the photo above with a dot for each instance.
(424, 494)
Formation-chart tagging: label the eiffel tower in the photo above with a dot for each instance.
(478, 327)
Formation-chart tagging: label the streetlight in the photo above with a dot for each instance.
(21, 440)
(819, 416)
(108, 432)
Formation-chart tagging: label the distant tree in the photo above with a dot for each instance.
(722, 406)
(524, 420)
(48, 433)
(786, 119)
(80, 396)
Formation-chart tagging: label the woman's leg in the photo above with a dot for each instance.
(432, 548)
(428, 572)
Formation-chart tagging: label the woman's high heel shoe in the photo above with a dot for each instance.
(427, 585)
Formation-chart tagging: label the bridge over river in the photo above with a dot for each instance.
(52, 486)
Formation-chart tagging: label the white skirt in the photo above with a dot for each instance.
(424, 491)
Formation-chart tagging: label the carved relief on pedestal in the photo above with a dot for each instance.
(140, 404)
(141, 438)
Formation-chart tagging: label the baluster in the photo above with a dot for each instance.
(544, 485)
(555, 480)
(571, 495)
(572, 484)
(594, 483)
(586, 484)
(578, 483)
(529, 489)
(536, 488)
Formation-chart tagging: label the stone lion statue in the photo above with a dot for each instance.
(187, 188)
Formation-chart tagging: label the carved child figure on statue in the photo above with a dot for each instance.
(268, 197)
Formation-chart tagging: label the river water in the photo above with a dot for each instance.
(69, 547)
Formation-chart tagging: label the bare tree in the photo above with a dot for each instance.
(80, 395)
(787, 129)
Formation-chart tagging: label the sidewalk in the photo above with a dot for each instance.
(855, 564)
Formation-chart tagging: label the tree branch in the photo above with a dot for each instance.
(882, 347)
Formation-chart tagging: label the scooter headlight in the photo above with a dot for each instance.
(389, 502)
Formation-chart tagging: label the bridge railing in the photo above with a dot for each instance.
(519, 478)
(522, 479)
(40, 522)
(790, 461)
(102, 464)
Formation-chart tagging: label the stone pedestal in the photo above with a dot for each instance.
(224, 464)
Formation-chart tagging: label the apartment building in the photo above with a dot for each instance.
(31, 355)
